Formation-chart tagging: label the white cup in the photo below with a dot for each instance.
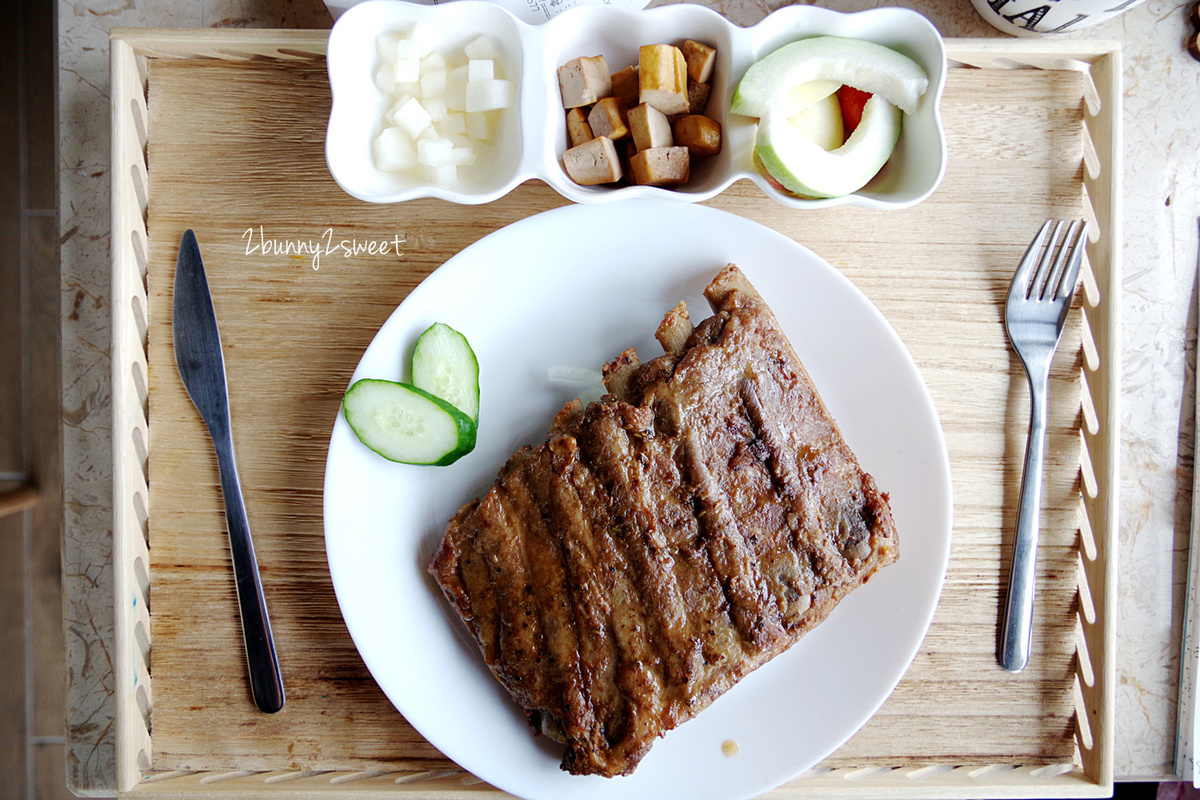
(1039, 17)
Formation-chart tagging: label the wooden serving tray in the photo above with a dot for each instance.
(223, 132)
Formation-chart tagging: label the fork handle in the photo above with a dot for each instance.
(1018, 611)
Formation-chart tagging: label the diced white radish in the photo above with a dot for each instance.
(424, 37)
(385, 47)
(385, 78)
(412, 117)
(454, 59)
(393, 150)
(454, 123)
(481, 69)
(462, 156)
(459, 140)
(564, 374)
(436, 107)
(433, 83)
(479, 126)
(398, 100)
(587, 383)
(435, 152)
(434, 62)
(445, 107)
(489, 95)
(456, 89)
(445, 175)
(408, 69)
(407, 48)
(476, 146)
(482, 47)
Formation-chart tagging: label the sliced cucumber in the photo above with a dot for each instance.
(444, 365)
(403, 423)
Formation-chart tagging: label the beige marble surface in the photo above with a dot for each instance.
(1161, 206)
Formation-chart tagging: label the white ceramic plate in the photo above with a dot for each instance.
(536, 295)
(533, 137)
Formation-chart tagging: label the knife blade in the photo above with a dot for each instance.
(201, 365)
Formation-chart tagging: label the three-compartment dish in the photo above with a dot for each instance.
(531, 136)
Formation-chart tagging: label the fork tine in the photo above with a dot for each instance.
(1022, 279)
(1047, 266)
(1072, 255)
(1061, 250)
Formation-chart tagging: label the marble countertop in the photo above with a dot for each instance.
(1161, 210)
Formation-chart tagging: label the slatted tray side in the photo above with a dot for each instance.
(130, 427)
(227, 45)
(1101, 429)
(1091, 776)
(1101, 434)
(985, 782)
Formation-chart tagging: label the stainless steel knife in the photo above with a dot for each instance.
(202, 367)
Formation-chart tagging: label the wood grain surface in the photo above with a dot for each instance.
(236, 152)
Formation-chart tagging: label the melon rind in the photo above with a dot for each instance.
(867, 66)
(803, 167)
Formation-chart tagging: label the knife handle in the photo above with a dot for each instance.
(266, 681)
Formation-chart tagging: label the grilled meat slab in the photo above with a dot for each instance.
(666, 540)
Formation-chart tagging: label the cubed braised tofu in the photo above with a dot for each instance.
(594, 162)
(662, 78)
(660, 166)
(626, 150)
(584, 80)
(578, 129)
(625, 85)
(607, 118)
(700, 58)
(650, 127)
(697, 96)
(621, 128)
(698, 133)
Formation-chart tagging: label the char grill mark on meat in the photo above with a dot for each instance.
(619, 447)
(631, 685)
(581, 524)
(730, 553)
(549, 602)
(500, 542)
(636, 660)
(767, 426)
(666, 540)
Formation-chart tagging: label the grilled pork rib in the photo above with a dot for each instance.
(666, 540)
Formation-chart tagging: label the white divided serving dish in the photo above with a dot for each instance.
(532, 137)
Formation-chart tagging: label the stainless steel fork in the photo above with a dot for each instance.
(1038, 302)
